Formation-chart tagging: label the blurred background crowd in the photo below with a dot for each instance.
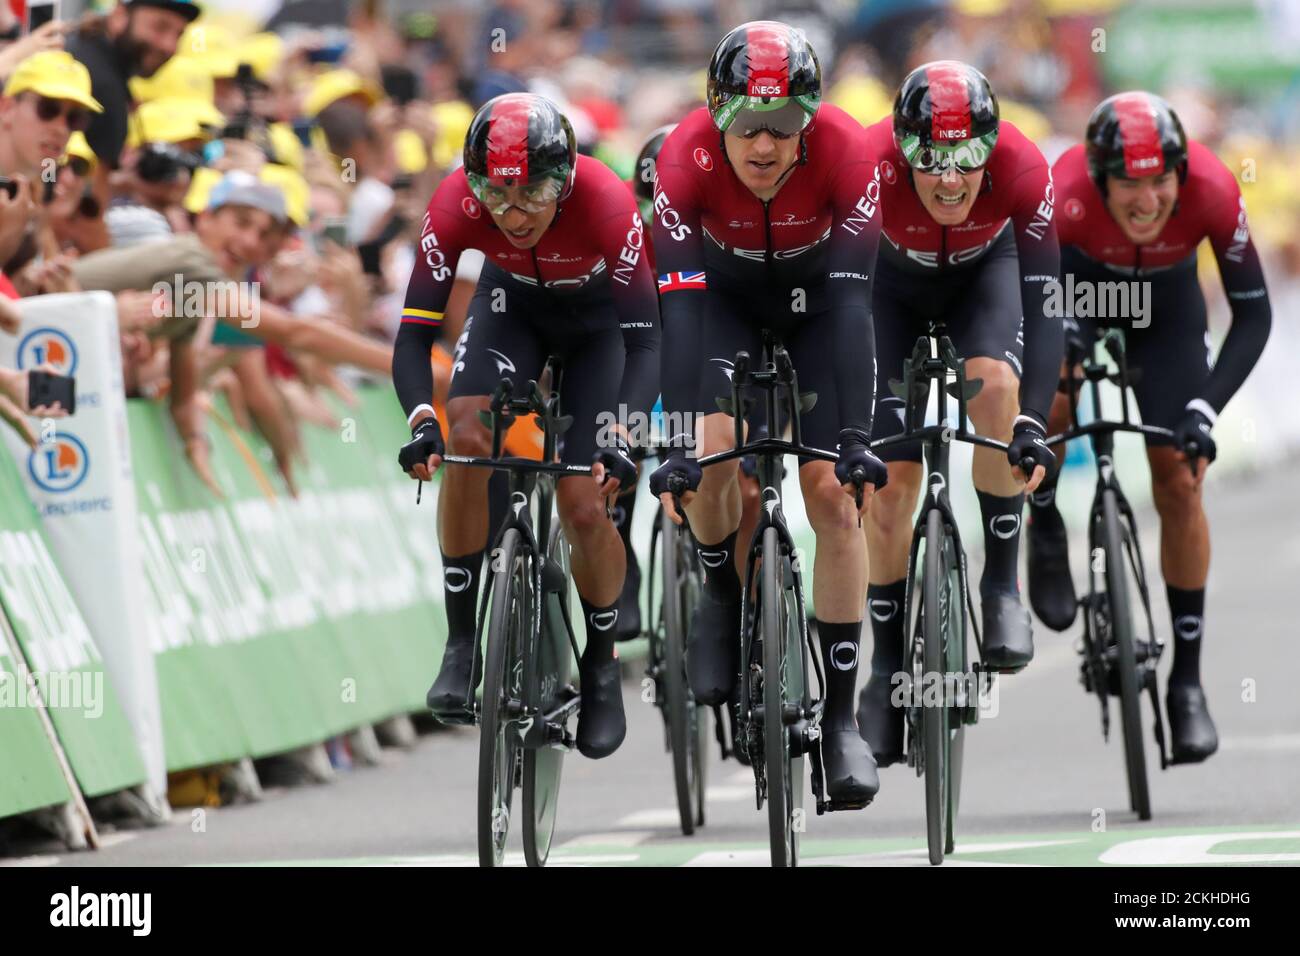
(295, 143)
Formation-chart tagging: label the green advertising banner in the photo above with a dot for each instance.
(60, 653)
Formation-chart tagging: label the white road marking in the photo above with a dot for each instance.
(1194, 849)
(31, 861)
(730, 793)
(1265, 742)
(612, 838)
(655, 818)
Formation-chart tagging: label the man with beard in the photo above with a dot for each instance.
(135, 39)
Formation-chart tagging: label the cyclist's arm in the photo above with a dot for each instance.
(851, 262)
(426, 300)
(679, 259)
(1243, 282)
(622, 240)
(1040, 264)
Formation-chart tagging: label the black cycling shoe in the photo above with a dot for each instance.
(629, 604)
(713, 650)
(879, 722)
(1191, 731)
(1008, 633)
(849, 767)
(1051, 588)
(602, 724)
(451, 691)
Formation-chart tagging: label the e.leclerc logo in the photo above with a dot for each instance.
(43, 345)
(59, 465)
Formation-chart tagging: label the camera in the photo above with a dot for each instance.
(163, 162)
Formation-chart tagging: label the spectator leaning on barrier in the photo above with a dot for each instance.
(135, 39)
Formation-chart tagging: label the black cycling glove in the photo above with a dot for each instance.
(426, 440)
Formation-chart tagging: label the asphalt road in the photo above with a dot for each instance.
(1040, 785)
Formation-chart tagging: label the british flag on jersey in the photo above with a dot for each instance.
(675, 281)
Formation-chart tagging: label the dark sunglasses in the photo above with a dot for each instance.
(79, 165)
(77, 117)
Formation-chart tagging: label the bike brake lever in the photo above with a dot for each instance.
(419, 489)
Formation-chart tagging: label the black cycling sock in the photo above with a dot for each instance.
(840, 664)
(601, 621)
(1001, 542)
(720, 577)
(1187, 610)
(460, 579)
(885, 608)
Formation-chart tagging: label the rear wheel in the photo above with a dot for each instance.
(551, 669)
(1120, 608)
(502, 679)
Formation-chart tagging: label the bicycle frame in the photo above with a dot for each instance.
(1102, 436)
(529, 480)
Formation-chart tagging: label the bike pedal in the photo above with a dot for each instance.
(833, 806)
(457, 718)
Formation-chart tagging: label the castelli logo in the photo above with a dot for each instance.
(703, 159)
(1074, 209)
(888, 173)
(470, 206)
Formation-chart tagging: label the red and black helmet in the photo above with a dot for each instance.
(1131, 135)
(520, 139)
(644, 176)
(764, 75)
(946, 114)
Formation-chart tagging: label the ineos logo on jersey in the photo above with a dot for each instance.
(456, 580)
(631, 252)
(844, 655)
(507, 171)
(703, 159)
(865, 208)
(1043, 214)
(1005, 527)
(434, 257)
(1240, 236)
(670, 218)
(470, 207)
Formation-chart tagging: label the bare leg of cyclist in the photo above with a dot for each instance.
(462, 533)
(889, 537)
(839, 590)
(1008, 636)
(713, 643)
(599, 564)
(1185, 563)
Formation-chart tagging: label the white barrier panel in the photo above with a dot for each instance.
(80, 480)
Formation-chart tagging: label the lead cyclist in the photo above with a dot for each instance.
(766, 216)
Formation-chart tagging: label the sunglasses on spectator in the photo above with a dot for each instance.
(77, 117)
(79, 165)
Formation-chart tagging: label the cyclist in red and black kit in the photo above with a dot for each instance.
(968, 238)
(565, 274)
(1136, 199)
(766, 216)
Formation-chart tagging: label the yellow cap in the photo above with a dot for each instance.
(263, 52)
(171, 121)
(453, 118)
(862, 97)
(1028, 120)
(284, 141)
(182, 77)
(201, 184)
(78, 146)
(297, 194)
(213, 45)
(412, 156)
(334, 85)
(55, 74)
(981, 8)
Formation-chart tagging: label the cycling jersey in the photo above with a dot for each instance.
(1210, 206)
(592, 252)
(1016, 187)
(810, 250)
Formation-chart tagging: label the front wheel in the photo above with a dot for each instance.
(687, 723)
(783, 686)
(934, 709)
(498, 749)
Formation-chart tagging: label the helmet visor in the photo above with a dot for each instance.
(532, 198)
(782, 116)
(936, 158)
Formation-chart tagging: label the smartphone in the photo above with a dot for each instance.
(46, 388)
(41, 12)
(9, 186)
(336, 231)
(370, 253)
